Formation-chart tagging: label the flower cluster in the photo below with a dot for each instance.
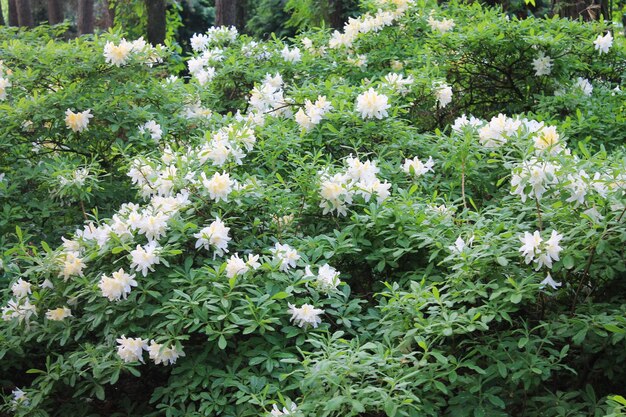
(362, 25)
(542, 65)
(216, 235)
(337, 191)
(4, 81)
(229, 143)
(371, 104)
(19, 307)
(286, 255)
(77, 121)
(533, 178)
(153, 128)
(305, 316)
(216, 35)
(269, 96)
(117, 286)
(443, 93)
(541, 252)
(418, 168)
(122, 53)
(602, 44)
(327, 278)
(236, 266)
(313, 113)
(398, 83)
(442, 26)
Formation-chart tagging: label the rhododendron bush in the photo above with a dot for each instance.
(419, 215)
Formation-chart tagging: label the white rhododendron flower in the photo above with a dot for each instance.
(496, 133)
(602, 44)
(118, 55)
(216, 235)
(153, 226)
(291, 55)
(305, 315)
(20, 309)
(4, 84)
(443, 93)
(117, 286)
(460, 245)
(131, 349)
(463, 122)
(163, 354)
(535, 249)
(584, 85)
(548, 138)
(19, 398)
(416, 167)
(72, 265)
(276, 412)
(549, 281)
(144, 258)
(153, 128)
(21, 288)
(327, 278)
(398, 82)
(58, 314)
(372, 105)
(287, 256)
(542, 65)
(219, 186)
(441, 26)
(77, 121)
(533, 178)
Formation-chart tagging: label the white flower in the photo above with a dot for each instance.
(417, 167)
(291, 55)
(327, 278)
(219, 186)
(165, 355)
(548, 138)
(215, 234)
(77, 121)
(542, 65)
(602, 44)
(542, 253)
(153, 226)
(58, 314)
(72, 265)
(398, 82)
(530, 245)
(287, 256)
(21, 288)
(4, 84)
(20, 309)
(460, 245)
(117, 286)
(443, 93)
(361, 171)
(154, 128)
(144, 258)
(19, 398)
(199, 42)
(118, 55)
(372, 105)
(276, 412)
(442, 26)
(236, 266)
(131, 349)
(550, 282)
(461, 122)
(584, 85)
(305, 315)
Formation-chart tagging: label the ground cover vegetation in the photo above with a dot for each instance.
(419, 214)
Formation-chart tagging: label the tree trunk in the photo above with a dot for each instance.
(156, 21)
(336, 10)
(109, 14)
(13, 21)
(85, 16)
(226, 12)
(24, 13)
(1, 16)
(55, 12)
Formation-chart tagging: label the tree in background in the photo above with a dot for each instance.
(55, 12)
(156, 21)
(84, 17)
(24, 13)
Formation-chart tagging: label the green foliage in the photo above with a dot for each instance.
(488, 281)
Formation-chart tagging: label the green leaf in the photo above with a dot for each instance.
(568, 262)
(280, 295)
(516, 298)
(221, 342)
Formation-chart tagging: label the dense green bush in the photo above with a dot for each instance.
(355, 227)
